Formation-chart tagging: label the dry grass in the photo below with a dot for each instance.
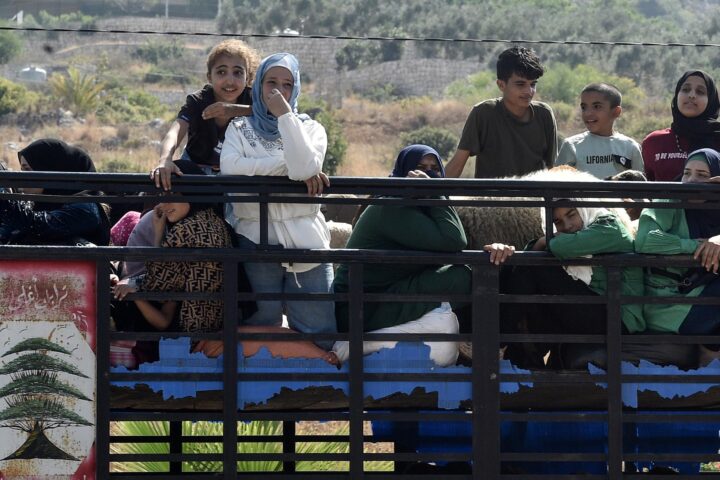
(133, 150)
(372, 131)
(400, 115)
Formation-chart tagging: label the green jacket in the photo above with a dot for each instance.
(605, 235)
(381, 227)
(665, 231)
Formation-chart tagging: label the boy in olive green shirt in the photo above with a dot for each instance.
(511, 135)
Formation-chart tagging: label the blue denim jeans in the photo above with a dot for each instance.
(305, 316)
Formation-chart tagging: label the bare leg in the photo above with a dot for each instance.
(278, 348)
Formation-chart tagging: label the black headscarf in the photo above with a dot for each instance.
(409, 158)
(704, 223)
(703, 130)
(52, 155)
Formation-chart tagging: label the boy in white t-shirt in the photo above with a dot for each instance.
(601, 150)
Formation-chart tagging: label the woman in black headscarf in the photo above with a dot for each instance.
(695, 108)
(54, 223)
(409, 227)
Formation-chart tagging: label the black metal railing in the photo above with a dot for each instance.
(483, 455)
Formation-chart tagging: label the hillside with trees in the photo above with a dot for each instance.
(116, 93)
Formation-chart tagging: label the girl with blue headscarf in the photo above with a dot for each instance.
(276, 140)
(684, 231)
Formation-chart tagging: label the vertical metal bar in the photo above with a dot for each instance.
(288, 444)
(355, 298)
(102, 367)
(175, 444)
(230, 368)
(614, 349)
(264, 197)
(485, 365)
(548, 221)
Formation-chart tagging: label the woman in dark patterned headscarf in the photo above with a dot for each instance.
(48, 222)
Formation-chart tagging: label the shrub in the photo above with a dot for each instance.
(59, 21)
(15, 98)
(157, 75)
(562, 83)
(384, 93)
(353, 54)
(359, 53)
(10, 45)
(126, 105)
(77, 92)
(118, 165)
(155, 51)
(474, 88)
(441, 139)
(337, 145)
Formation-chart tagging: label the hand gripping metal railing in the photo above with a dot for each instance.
(484, 409)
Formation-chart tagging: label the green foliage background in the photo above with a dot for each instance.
(15, 98)
(10, 45)
(337, 146)
(558, 20)
(646, 75)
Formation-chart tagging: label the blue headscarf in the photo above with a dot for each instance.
(704, 223)
(410, 156)
(265, 123)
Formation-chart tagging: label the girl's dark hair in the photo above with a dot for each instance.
(521, 61)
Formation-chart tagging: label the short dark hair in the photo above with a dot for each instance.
(521, 61)
(610, 92)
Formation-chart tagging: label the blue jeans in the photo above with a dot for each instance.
(305, 316)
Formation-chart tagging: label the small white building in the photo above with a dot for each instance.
(33, 74)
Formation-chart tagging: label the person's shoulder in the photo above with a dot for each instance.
(577, 138)
(610, 220)
(309, 124)
(195, 102)
(617, 136)
(541, 106)
(487, 105)
(312, 123)
(205, 93)
(240, 122)
(657, 135)
(542, 109)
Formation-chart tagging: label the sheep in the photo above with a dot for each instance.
(338, 212)
(513, 225)
(483, 225)
(339, 233)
